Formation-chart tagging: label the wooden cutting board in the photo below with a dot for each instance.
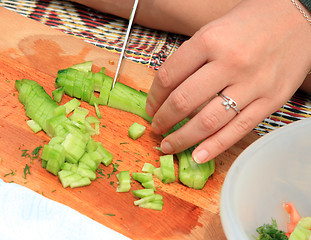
(29, 49)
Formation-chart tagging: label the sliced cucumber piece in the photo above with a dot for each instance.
(84, 67)
(136, 130)
(72, 105)
(129, 99)
(167, 169)
(141, 193)
(148, 168)
(124, 184)
(34, 126)
(58, 94)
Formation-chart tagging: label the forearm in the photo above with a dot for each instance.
(178, 16)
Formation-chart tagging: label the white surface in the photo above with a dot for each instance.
(25, 214)
(273, 170)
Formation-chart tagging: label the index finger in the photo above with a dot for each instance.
(187, 59)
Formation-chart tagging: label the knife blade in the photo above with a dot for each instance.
(125, 42)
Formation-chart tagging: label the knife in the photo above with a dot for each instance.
(125, 41)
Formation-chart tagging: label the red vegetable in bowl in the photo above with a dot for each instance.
(294, 217)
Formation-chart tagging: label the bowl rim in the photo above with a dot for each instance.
(231, 227)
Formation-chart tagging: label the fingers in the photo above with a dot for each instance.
(191, 94)
(216, 114)
(236, 129)
(187, 59)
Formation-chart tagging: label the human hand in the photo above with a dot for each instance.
(258, 54)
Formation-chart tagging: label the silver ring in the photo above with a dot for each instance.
(229, 103)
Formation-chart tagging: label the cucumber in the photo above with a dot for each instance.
(167, 169)
(300, 233)
(129, 99)
(54, 157)
(192, 174)
(142, 177)
(79, 114)
(83, 181)
(145, 179)
(58, 94)
(34, 126)
(84, 67)
(86, 172)
(154, 201)
(148, 168)
(158, 173)
(124, 184)
(106, 156)
(72, 105)
(136, 130)
(143, 192)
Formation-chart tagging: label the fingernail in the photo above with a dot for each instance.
(200, 156)
(166, 147)
(149, 110)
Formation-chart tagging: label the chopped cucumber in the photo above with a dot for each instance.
(54, 156)
(79, 114)
(155, 205)
(83, 181)
(60, 110)
(136, 130)
(92, 120)
(192, 174)
(148, 168)
(167, 169)
(106, 156)
(129, 99)
(151, 198)
(143, 192)
(145, 179)
(85, 66)
(72, 105)
(158, 173)
(142, 177)
(58, 94)
(154, 201)
(35, 127)
(86, 172)
(124, 184)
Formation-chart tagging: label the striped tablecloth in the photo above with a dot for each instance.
(146, 46)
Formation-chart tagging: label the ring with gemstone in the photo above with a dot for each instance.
(229, 103)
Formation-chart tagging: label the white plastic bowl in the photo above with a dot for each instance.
(273, 170)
